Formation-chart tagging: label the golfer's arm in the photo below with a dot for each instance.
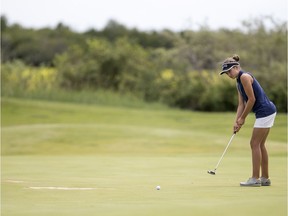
(241, 106)
(247, 84)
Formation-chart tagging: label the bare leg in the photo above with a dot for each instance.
(264, 163)
(257, 144)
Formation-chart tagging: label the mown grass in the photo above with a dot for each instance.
(126, 185)
(124, 153)
(39, 127)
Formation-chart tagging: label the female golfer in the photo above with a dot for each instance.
(252, 97)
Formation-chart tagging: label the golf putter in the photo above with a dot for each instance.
(213, 172)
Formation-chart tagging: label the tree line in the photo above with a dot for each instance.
(177, 68)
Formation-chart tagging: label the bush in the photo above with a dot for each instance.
(18, 78)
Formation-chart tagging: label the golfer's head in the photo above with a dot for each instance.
(230, 63)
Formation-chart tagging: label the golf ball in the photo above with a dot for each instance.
(158, 187)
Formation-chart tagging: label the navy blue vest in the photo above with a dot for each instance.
(263, 107)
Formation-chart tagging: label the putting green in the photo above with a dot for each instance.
(126, 185)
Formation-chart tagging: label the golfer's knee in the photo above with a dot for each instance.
(254, 144)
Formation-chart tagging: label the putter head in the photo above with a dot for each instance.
(211, 172)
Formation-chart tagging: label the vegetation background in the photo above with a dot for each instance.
(179, 69)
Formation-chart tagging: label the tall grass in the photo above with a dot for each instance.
(96, 97)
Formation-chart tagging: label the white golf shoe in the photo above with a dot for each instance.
(265, 181)
(251, 182)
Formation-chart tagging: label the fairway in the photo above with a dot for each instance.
(68, 159)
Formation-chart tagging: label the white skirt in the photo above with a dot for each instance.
(266, 122)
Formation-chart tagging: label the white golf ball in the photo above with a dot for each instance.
(158, 187)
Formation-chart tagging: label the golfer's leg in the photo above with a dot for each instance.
(258, 136)
(264, 153)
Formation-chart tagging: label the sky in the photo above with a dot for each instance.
(146, 15)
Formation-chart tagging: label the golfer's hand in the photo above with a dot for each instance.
(236, 127)
(238, 124)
